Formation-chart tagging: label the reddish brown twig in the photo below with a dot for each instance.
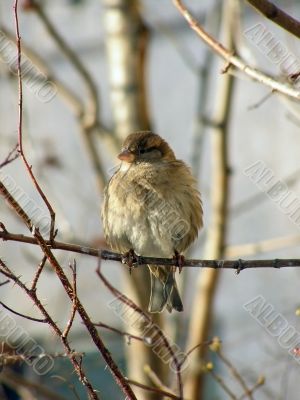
(74, 305)
(42, 320)
(32, 295)
(85, 317)
(20, 127)
(38, 273)
(48, 253)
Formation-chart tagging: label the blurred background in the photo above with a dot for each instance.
(95, 71)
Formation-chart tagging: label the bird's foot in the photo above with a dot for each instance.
(129, 258)
(179, 260)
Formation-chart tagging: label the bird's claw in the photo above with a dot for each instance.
(129, 258)
(179, 260)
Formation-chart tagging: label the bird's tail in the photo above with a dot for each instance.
(164, 291)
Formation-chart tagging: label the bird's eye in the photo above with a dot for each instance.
(148, 150)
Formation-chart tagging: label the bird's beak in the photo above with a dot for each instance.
(127, 156)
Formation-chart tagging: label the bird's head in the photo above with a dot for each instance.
(147, 147)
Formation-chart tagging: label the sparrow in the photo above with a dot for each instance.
(152, 207)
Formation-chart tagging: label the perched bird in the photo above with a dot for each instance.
(152, 207)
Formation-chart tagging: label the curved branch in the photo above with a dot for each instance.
(166, 394)
(12, 156)
(233, 59)
(5, 270)
(43, 320)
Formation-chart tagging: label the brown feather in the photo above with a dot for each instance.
(152, 205)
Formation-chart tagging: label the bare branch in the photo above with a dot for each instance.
(38, 273)
(258, 384)
(92, 109)
(89, 120)
(124, 299)
(74, 303)
(228, 56)
(154, 390)
(20, 127)
(223, 385)
(141, 261)
(12, 155)
(234, 372)
(155, 379)
(70, 97)
(122, 333)
(72, 356)
(22, 315)
(46, 249)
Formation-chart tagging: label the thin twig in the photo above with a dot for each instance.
(278, 16)
(12, 155)
(38, 273)
(228, 56)
(118, 331)
(43, 320)
(20, 125)
(52, 260)
(156, 380)
(258, 384)
(74, 303)
(235, 374)
(124, 299)
(90, 119)
(44, 72)
(119, 378)
(46, 249)
(154, 390)
(223, 385)
(32, 295)
(207, 343)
